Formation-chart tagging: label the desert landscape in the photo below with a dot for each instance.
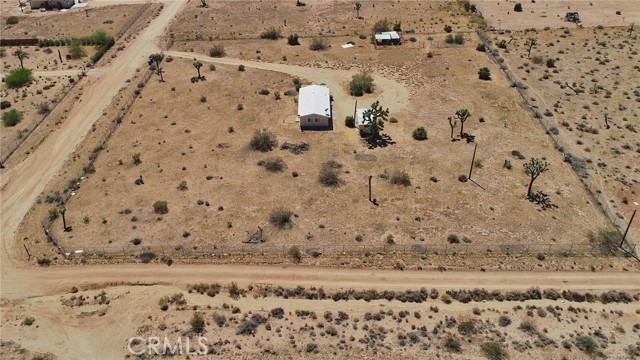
(473, 195)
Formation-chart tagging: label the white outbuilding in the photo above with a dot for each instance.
(314, 108)
(359, 119)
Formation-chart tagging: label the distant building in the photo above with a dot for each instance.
(51, 4)
(388, 38)
(314, 108)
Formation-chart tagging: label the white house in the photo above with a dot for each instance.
(387, 38)
(314, 108)
(51, 4)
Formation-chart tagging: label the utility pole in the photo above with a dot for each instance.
(628, 226)
(370, 200)
(472, 161)
(60, 56)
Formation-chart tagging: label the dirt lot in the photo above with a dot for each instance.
(601, 65)
(543, 13)
(70, 24)
(284, 328)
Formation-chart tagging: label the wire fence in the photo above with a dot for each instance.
(131, 251)
(603, 201)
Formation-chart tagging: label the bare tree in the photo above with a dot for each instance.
(157, 58)
(534, 168)
(21, 55)
(462, 115)
(531, 42)
(452, 124)
(358, 6)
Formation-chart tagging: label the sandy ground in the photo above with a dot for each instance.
(543, 13)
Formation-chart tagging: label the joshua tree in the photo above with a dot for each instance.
(358, 6)
(203, 4)
(630, 30)
(462, 115)
(452, 124)
(21, 55)
(157, 58)
(534, 168)
(531, 42)
(197, 64)
(374, 118)
(62, 210)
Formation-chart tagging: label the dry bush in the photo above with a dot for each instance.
(263, 140)
(318, 44)
(275, 164)
(494, 350)
(400, 177)
(328, 174)
(451, 343)
(160, 207)
(281, 218)
(217, 51)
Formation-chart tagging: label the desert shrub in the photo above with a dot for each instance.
(295, 253)
(607, 239)
(381, 26)
(160, 207)
(271, 34)
(467, 327)
(234, 291)
(182, 186)
(43, 108)
(277, 313)
(241, 68)
(106, 44)
(5, 104)
(586, 344)
(219, 319)
(541, 312)
(360, 84)
(400, 177)
(18, 77)
(311, 348)
(528, 327)
(44, 262)
(275, 164)
(12, 20)
(318, 44)
(420, 134)
(448, 29)
(350, 121)
(537, 59)
(146, 257)
(28, 321)
(11, 118)
(264, 92)
(76, 51)
(449, 39)
(135, 158)
(263, 140)
(494, 350)
(453, 239)
(281, 218)
(484, 73)
(293, 40)
(328, 174)
(458, 39)
(504, 320)
(517, 7)
(551, 63)
(217, 51)
(481, 47)
(451, 343)
(197, 323)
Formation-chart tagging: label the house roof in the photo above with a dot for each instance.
(360, 117)
(314, 99)
(387, 35)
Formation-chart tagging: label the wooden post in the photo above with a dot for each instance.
(472, 160)
(60, 56)
(355, 111)
(27, 250)
(627, 230)
(606, 120)
(370, 177)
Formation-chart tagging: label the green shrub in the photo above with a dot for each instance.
(18, 77)
(106, 44)
(551, 63)
(449, 39)
(28, 321)
(293, 40)
(271, 34)
(350, 121)
(12, 20)
(263, 140)
(296, 254)
(517, 7)
(481, 47)
(318, 44)
(76, 51)
(217, 51)
(420, 134)
(241, 67)
(360, 84)
(381, 26)
(448, 29)
(160, 207)
(197, 323)
(11, 118)
(484, 74)
(459, 39)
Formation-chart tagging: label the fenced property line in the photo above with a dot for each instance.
(222, 251)
(602, 201)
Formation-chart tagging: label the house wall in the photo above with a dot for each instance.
(53, 4)
(314, 122)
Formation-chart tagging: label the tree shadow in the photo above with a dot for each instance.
(543, 200)
(470, 138)
(381, 141)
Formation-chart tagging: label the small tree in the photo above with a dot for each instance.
(531, 42)
(374, 119)
(534, 168)
(76, 51)
(360, 84)
(197, 323)
(462, 115)
(157, 59)
(21, 55)
(18, 77)
(484, 74)
(62, 211)
(263, 140)
(293, 40)
(452, 123)
(11, 118)
(296, 254)
(197, 64)
(517, 7)
(358, 6)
